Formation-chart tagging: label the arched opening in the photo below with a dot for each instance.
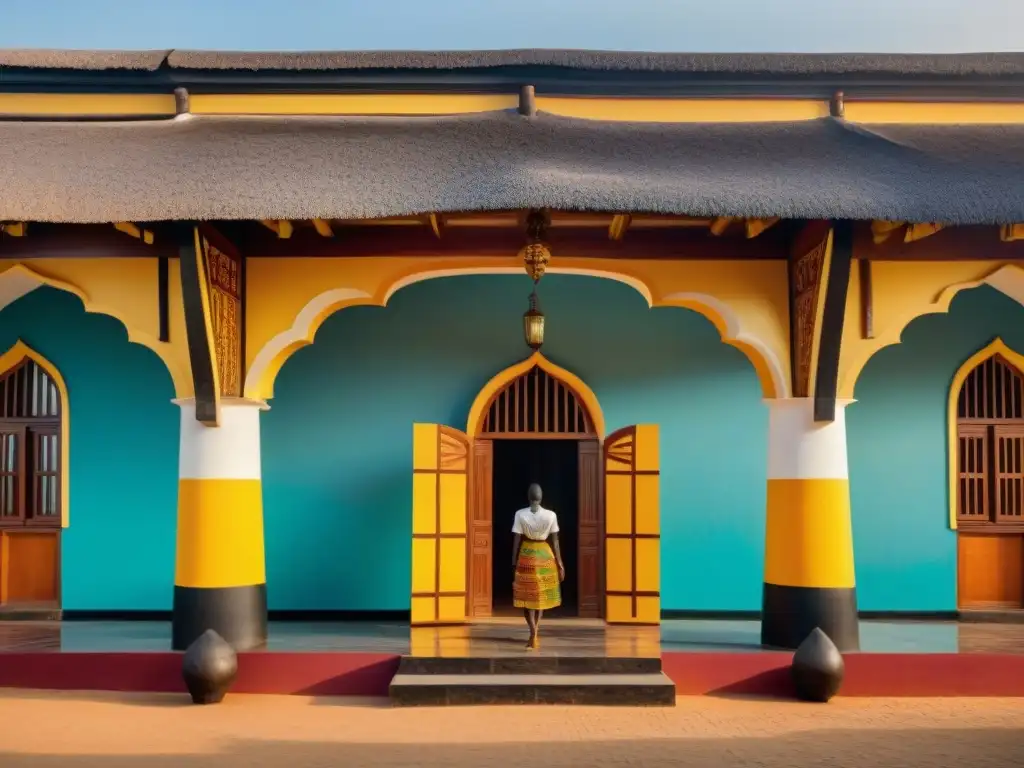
(989, 482)
(532, 423)
(32, 482)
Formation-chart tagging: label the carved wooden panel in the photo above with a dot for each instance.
(481, 535)
(224, 280)
(537, 403)
(591, 525)
(806, 273)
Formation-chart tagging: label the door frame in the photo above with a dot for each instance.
(589, 532)
(479, 507)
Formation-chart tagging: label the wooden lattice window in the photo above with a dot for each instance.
(990, 446)
(536, 403)
(30, 451)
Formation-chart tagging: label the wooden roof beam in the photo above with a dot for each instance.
(620, 223)
(719, 225)
(281, 227)
(1009, 233)
(883, 230)
(322, 227)
(755, 227)
(14, 228)
(133, 230)
(917, 232)
(436, 221)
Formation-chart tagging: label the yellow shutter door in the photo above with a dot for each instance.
(440, 465)
(632, 526)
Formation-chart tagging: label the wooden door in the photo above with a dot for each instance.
(481, 535)
(439, 498)
(990, 570)
(632, 526)
(591, 523)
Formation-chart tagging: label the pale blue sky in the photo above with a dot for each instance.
(905, 26)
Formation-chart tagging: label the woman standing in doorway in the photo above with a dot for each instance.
(536, 565)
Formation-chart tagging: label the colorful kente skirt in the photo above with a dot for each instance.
(536, 584)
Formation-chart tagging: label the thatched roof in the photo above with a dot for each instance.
(759, 64)
(358, 167)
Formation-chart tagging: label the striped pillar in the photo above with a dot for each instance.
(808, 567)
(220, 580)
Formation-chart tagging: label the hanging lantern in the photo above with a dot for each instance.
(535, 254)
(533, 324)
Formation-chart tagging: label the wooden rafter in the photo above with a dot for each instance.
(620, 223)
(436, 221)
(283, 228)
(1010, 233)
(14, 228)
(917, 232)
(134, 230)
(719, 225)
(882, 230)
(755, 227)
(323, 227)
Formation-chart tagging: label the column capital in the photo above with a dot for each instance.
(800, 448)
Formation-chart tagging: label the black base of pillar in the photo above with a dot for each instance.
(238, 614)
(790, 614)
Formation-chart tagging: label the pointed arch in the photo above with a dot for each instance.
(996, 348)
(19, 280)
(10, 360)
(478, 411)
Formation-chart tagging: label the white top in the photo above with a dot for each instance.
(535, 525)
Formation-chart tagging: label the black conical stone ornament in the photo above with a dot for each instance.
(209, 668)
(818, 668)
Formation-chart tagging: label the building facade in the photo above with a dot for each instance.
(263, 344)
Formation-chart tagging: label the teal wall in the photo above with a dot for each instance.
(118, 552)
(337, 440)
(906, 554)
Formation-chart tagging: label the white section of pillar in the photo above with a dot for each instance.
(800, 448)
(230, 451)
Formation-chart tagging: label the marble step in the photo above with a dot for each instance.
(436, 690)
(528, 665)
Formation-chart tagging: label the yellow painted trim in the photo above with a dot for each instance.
(86, 104)
(346, 104)
(996, 347)
(219, 534)
(502, 379)
(265, 366)
(181, 378)
(1008, 279)
(8, 360)
(808, 534)
(939, 113)
(644, 110)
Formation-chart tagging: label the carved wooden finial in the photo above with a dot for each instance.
(527, 101)
(837, 106)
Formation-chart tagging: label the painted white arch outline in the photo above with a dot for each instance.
(259, 381)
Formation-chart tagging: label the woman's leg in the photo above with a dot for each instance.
(531, 622)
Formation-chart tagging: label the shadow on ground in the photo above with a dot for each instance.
(861, 748)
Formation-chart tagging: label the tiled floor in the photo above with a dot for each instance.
(566, 637)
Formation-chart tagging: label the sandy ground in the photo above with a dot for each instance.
(38, 730)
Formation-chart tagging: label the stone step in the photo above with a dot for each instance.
(528, 665)
(604, 690)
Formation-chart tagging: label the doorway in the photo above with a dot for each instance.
(554, 465)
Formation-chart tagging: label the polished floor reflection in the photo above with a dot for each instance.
(559, 637)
